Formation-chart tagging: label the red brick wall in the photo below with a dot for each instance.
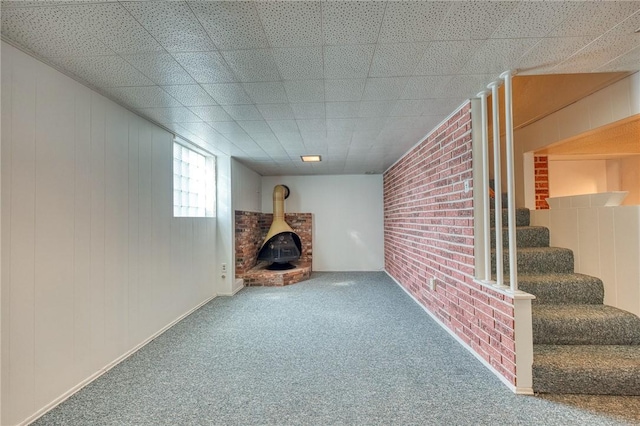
(251, 228)
(541, 167)
(428, 231)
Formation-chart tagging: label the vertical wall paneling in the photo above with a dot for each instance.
(97, 236)
(21, 283)
(93, 262)
(82, 234)
(133, 274)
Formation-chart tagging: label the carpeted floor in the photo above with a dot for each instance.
(341, 348)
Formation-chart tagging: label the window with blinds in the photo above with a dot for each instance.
(194, 184)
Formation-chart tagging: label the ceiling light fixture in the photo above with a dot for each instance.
(310, 158)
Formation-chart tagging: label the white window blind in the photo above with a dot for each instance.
(193, 183)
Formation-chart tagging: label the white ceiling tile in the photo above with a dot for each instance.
(461, 85)
(205, 67)
(342, 109)
(443, 106)
(211, 113)
(172, 24)
(474, 20)
(227, 127)
(351, 61)
(315, 141)
(412, 21)
(626, 62)
(352, 22)
(143, 96)
(549, 52)
(297, 63)
(446, 57)
(228, 93)
(289, 24)
(252, 65)
(290, 140)
(609, 46)
(534, 19)
(594, 18)
(255, 127)
(399, 59)
(375, 108)
(243, 112)
(340, 126)
(316, 125)
(231, 24)
(160, 67)
(276, 111)
(190, 95)
(380, 89)
(344, 90)
(266, 139)
(304, 90)
(114, 26)
(103, 71)
(205, 131)
(498, 55)
(171, 115)
(363, 139)
(426, 87)
(407, 107)
(370, 124)
(47, 31)
(308, 110)
(283, 126)
(266, 93)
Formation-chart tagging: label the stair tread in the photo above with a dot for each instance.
(584, 324)
(587, 369)
(571, 288)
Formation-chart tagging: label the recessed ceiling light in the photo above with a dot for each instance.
(311, 158)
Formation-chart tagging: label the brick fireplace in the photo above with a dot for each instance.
(250, 230)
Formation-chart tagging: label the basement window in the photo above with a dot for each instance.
(194, 183)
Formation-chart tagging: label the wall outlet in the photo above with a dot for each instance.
(467, 186)
(223, 268)
(432, 283)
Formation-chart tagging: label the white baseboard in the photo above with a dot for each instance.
(507, 383)
(107, 367)
(239, 285)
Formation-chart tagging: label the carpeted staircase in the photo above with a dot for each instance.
(581, 346)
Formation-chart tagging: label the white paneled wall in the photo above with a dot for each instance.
(93, 262)
(605, 243)
(348, 218)
(247, 188)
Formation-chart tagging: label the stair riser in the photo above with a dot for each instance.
(525, 237)
(541, 262)
(522, 217)
(579, 293)
(547, 379)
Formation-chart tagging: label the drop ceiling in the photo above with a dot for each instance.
(358, 83)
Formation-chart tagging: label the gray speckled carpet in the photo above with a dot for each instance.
(341, 348)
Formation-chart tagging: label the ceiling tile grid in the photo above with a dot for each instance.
(359, 81)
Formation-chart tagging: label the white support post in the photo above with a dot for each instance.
(497, 181)
(485, 186)
(511, 192)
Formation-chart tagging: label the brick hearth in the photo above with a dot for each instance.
(251, 228)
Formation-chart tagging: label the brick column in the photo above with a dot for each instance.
(541, 167)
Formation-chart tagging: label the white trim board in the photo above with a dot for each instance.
(53, 404)
(511, 386)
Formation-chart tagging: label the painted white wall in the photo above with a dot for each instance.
(247, 188)
(577, 177)
(605, 243)
(612, 103)
(93, 262)
(347, 218)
